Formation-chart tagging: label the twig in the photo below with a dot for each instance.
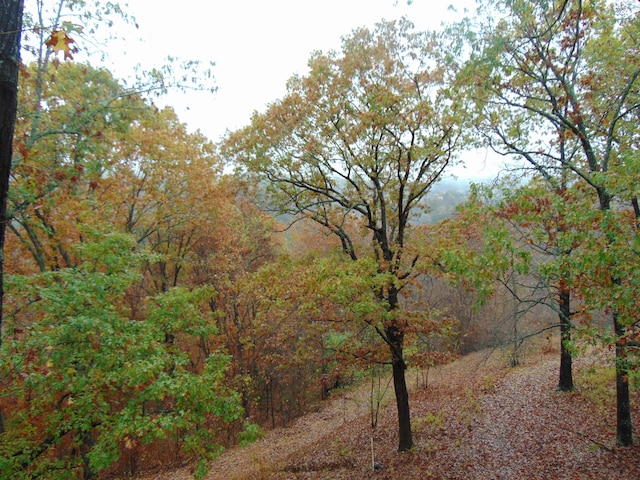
(373, 459)
(601, 445)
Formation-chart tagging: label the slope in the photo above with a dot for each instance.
(476, 420)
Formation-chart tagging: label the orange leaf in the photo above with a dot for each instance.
(61, 42)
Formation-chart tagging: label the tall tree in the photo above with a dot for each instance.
(520, 236)
(81, 138)
(565, 73)
(538, 214)
(363, 136)
(10, 34)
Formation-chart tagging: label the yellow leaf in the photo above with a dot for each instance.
(61, 42)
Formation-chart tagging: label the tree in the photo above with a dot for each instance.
(528, 235)
(104, 155)
(556, 83)
(10, 34)
(362, 138)
(73, 117)
(86, 383)
(93, 154)
(538, 214)
(81, 133)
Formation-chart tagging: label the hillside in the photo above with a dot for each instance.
(476, 420)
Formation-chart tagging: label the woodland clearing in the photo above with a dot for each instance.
(477, 419)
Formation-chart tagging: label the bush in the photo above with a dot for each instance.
(85, 382)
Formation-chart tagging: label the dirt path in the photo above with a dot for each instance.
(527, 430)
(477, 420)
(522, 424)
(261, 459)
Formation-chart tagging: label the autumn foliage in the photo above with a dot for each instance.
(168, 297)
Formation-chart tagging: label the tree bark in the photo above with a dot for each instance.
(395, 338)
(405, 437)
(624, 426)
(565, 382)
(10, 28)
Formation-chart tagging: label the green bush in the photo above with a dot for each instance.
(84, 381)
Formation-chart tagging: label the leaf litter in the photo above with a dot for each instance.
(478, 419)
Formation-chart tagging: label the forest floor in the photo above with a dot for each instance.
(478, 418)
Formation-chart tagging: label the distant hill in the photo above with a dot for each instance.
(442, 200)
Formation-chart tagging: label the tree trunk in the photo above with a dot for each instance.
(395, 337)
(10, 31)
(10, 28)
(624, 427)
(565, 382)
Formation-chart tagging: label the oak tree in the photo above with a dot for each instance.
(362, 137)
(10, 34)
(556, 83)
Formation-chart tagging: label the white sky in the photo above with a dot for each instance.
(256, 45)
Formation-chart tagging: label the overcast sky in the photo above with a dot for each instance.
(256, 45)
